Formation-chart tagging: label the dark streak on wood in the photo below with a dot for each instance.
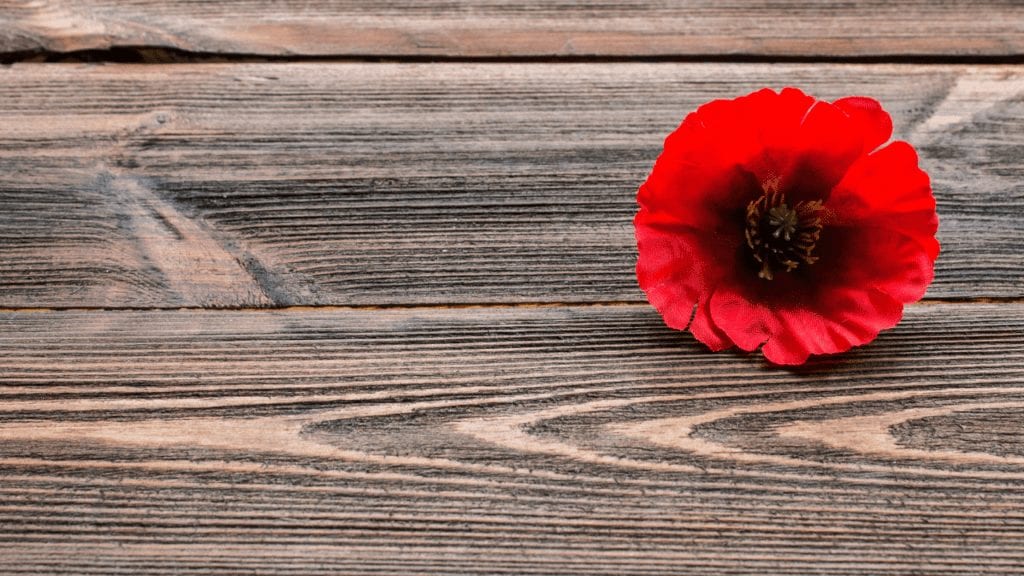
(360, 184)
(557, 440)
(501, 28)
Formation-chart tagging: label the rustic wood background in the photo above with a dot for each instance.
(346, 287)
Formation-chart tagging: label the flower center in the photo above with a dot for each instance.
(780, 236)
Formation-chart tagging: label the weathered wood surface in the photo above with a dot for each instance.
(569, 440)
(535, 28)
(492, 439)
(298, 184)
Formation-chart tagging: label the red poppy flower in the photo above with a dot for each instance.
(785, 222)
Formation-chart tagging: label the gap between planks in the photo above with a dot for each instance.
(427, 306)
(159, 56)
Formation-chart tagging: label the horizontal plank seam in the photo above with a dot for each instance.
(453, 306)
(157, 55)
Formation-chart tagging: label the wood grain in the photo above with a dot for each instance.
(456, 430)
(367, 184)
(471, 28)
(569, 440)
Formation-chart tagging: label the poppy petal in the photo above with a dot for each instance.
(854, 317)
(867, 114)
(887, 189)
(668, 273)
(746, 323)
(825, 147)
(703, 328)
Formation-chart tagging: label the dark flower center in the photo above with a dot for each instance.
(780, 236)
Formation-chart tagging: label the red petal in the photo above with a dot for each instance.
(828, 322)
(767, 122)
(703, 328)
(827, 143)
(881, 226)
(668, 272)
(875, 123)
(854, 317)
(880, 258)
(886, 189)
(700, 196)
(746, 323)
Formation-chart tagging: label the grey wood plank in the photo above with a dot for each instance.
(366, 184)
(470, 28)
(570, 440)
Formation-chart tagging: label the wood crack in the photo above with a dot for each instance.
(161, 55)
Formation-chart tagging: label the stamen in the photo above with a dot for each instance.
(781, 237)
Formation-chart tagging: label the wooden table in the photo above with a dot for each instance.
(346, 287)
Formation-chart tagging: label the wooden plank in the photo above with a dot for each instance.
(252, 185)
(569, 440)
(498, 28)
